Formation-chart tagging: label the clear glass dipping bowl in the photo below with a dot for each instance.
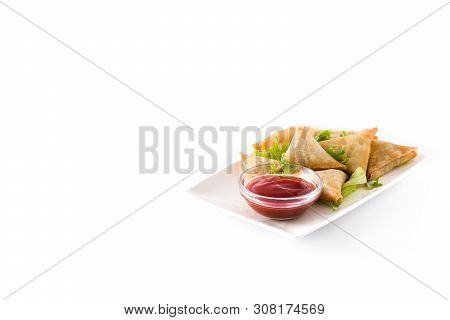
(280, 208)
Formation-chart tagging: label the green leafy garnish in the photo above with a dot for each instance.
(323, 135)
(348, 190)
(287, 168)
(338, 155)
(275, 152)
(279, 168)
(332, 205)
(343, 133)
(275, 168)
(283, 167)
(358, 178)
(374, 184)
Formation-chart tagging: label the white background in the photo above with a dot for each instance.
(69, 154)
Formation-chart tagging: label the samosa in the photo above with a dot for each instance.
(385, 156)
(332, 181)
(306, 151)
(353, 150)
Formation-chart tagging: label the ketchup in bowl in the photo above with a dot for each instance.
(280, 196)
(280, 186)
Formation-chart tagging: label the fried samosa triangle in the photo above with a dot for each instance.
(306, 151)
(385, 156)
(332, 181)
(354, 149)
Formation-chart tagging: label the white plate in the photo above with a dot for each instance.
(222, 190)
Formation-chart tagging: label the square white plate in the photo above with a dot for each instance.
(222, 190)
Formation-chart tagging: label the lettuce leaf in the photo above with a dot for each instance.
(283, 167)
(374, 184)
(275, 168)
(275, 152)
(323, 135)
(348, 190)
(357, 179)
(338, 155)
(332, 205)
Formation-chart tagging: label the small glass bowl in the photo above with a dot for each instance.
(280, 208)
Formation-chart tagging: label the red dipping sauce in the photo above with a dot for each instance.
(280, 186)
(280, 197)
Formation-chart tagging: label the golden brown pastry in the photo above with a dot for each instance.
(332, 181)
(306, 151)
(385, 156)
(355, 146)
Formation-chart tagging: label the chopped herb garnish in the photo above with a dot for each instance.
(343, 133)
